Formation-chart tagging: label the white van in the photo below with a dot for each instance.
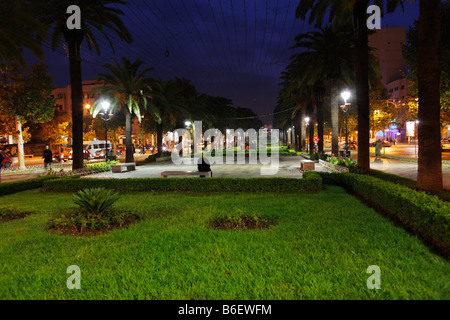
(97, 148)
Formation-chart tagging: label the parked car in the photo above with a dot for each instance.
(97, 148)
(384, 144)
(445, 144)
(352, 145)
(120, 149)
(7, 162)
(67, 155)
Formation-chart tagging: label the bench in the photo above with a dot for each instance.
(307, 165)
(165, 174)
(28, 155)
(117, 168)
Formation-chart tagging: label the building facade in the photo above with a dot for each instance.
(64, 103)
(388, 45)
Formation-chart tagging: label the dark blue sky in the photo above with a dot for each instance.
(231, 48)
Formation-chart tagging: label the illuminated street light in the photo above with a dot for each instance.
(105, 105)
(345, 95)
(308, 133)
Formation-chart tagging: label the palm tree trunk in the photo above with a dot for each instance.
(304, 137)
(311, 129)
(159, 137)
(334, 108)
(362, 82)
(320, 125)
(429, 175)
(299, 130)
(77, 102)
(129, 156)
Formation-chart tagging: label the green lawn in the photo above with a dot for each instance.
(319, 248)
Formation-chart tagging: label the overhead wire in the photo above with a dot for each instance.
(252, 66)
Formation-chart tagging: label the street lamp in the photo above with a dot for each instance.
(307, 133)
(345, 95)
(105, 105)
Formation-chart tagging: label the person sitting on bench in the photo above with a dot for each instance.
(203, 166)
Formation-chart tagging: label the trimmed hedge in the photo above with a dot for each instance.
(18, 186)
(311, 182)
(423, 214)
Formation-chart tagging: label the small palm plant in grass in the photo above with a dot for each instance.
(94, 215)
(95, 201)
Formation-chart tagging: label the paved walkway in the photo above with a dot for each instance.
(405, 169)
(289, 167)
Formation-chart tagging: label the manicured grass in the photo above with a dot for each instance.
(319, 248)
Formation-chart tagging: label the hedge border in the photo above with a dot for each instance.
(310, 183)
(420, 213)
(23, 185)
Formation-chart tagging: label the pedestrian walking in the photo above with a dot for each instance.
(48, 158)
(378, 146)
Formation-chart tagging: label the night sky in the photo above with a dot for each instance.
(230, 48)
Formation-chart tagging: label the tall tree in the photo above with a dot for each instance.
(97, 19)
(429, 175)
(127, 87)
(19, 29)
(327, 61)
(168, 103)
(411, 55)
(26, 97)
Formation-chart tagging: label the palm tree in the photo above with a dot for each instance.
(129, 88)
(19, 29)
(429, 175)
(167, 100)
(328, 61)
(339, 11)
(97, 18)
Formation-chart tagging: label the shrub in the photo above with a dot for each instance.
(422, 213)
(95, 201)
(95, 213)
(76, 222)
(153, 157)
(7, 214)
(310, 183)
(349, 163)
(241, 221)
(18, 186)
(319, 156)
(87, 169)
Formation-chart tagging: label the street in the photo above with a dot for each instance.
(400, 150)
(405, 150)
(39, 161)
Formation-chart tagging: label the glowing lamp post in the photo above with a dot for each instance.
(308, 133)
(105, 105)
